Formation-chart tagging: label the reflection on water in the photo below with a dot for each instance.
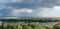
(40, 23)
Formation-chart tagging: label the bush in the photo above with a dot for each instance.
(57, 26)
(25, 26)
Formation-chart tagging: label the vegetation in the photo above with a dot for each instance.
(57, 26)
(23, 26)
(30, 20)
(30, 26)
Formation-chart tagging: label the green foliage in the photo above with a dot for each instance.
(25, 26)
(57, 26)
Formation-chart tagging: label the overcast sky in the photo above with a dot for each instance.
(30, 8)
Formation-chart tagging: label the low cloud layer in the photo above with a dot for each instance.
(34, 8)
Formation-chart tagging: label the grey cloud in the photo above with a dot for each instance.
(33, 3)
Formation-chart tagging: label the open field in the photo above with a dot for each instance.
(29, 26)
(35, 23)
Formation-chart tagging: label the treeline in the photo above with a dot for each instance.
(30, 20)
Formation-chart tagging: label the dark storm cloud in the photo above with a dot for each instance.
(6, 12)
(33, 3)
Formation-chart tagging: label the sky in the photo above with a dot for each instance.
(30, 8)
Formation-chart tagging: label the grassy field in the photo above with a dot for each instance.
(29, 26)
(26, 26)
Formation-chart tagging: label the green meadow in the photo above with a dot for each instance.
(29, 26)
